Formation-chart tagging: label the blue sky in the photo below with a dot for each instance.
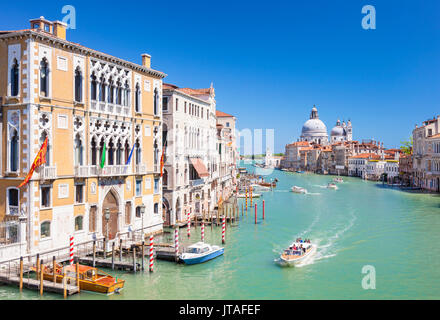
(270, 62)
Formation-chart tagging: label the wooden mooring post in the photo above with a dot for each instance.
(41, 277)
(64, 283)
(120, 249)
(54, 265)
(104, 253)
(143, 254)
(94, 253)
(113, 255)
(37, 266)
(21, 274)
(77, 275)
(134, 259)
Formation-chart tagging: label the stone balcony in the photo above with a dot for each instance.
(48, 172)
(140, 169)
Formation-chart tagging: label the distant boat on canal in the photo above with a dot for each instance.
(200, 252)
(297, 189)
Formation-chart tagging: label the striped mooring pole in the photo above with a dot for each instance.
(151, 252)
(176, 242)
(250, 193)
(246, 196)
(188, 231)
(203, 231)
(223, 228)
(71, 250)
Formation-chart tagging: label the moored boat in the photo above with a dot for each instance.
(90, 278)
(297, 189)
(297, 253)
(200, 252)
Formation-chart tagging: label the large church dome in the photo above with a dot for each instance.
(314, 129)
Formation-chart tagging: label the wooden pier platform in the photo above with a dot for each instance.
(107, 263)
(34, 284)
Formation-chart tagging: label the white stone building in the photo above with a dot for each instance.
(191, 160)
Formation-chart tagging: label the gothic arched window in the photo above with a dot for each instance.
(102, 89)
(93, 87)
(78, 151)
(14, 150)
(44, 78)
(94, 150)
(42, 138)
(137, 97)
(156, 102)
(78, 85)
(14, 78)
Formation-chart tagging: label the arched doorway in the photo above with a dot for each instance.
(166, 212)
(111, 203)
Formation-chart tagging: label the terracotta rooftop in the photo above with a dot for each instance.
(220, 114)
(434, 136)
(366, 156)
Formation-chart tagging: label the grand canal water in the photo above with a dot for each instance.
(362, 223)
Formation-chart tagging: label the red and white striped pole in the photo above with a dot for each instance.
(203, 231)
(223, 229)
(176, 241)
(71, 250)
(151, 253)
(188, 231)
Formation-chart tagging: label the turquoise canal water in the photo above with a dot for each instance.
(360, 224)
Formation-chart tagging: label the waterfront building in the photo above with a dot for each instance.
(406, 169)
(270, 160)
(226, 181)
(292, 159)
(87, 104)
(191, 160)
(426, 155)
(357, 164)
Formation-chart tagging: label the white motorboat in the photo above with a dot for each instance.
(339, 180)
(297, 253)
(297, 189)
(200, 252)
(332, 186)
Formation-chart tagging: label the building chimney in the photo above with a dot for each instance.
(59, 29)
(146, 60)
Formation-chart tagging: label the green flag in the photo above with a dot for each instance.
(103, 156)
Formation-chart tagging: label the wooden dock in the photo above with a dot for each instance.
(107, 263)
(166, 253)
(34, 284)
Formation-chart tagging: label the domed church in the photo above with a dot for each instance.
(314, 130)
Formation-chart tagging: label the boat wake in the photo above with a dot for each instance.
(326, 249)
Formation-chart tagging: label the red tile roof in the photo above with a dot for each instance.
(220, 114)
(366, 156)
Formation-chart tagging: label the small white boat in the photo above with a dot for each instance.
(200, 252)
(339, 180)
(332, 186)
(297, 253)
(254, 195)
(297, 189)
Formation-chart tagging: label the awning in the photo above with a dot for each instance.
(200, 167)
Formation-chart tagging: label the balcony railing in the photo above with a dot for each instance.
(82, 171)
(140, 169)
(48, 172)
(93, 105)
(113, 170)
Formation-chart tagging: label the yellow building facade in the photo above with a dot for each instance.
(87, 104)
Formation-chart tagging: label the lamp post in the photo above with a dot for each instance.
(142, 208)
